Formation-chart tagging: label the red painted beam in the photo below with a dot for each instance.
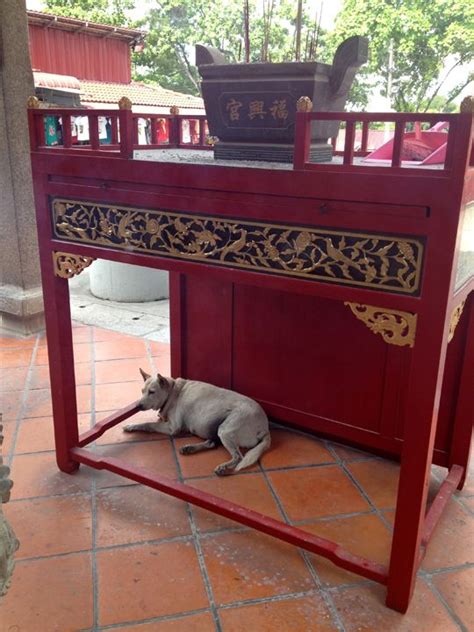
(438, 505)
(112, 420)
(248, 517)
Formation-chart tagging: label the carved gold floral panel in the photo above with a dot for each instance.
(370, 260)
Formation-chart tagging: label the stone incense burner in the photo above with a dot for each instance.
(251, 108)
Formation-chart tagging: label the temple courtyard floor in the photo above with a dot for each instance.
(98, 552)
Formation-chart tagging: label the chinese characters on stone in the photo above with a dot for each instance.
(256, 110)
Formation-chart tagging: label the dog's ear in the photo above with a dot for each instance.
(144, 375)
(161, 379)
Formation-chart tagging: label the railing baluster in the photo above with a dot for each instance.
(94, 131)
(66, 127)
(365, 136)
(349, 143)
(114, 135)
(398, 143)
(302, 140)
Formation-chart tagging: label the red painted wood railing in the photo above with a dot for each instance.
(164, 131)
(351, 120)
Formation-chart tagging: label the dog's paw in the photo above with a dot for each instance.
(129, 428)
(222, 470)
(186, 449)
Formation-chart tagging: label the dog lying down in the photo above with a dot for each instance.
(215, 414)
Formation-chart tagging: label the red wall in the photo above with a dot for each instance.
(79, 54)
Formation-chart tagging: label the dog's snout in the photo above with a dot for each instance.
(140, 406)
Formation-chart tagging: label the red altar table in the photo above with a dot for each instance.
(339, 295)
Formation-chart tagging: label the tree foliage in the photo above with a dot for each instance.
(115, 12)
(174, 26)
(428, 40)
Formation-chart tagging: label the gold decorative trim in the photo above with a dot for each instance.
(125, 104)
(455, 318)
(66, 265)
(382, 262)
(304, 104)
(395, 327)
(32, 102)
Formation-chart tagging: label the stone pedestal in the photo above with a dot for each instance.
(21, 303)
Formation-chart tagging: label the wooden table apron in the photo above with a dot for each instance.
(293, 341)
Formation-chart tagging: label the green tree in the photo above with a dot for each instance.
(414, 47)
(115, 12)
(174, 26)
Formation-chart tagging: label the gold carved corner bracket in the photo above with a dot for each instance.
(455, 318)
(396, 327)
(67, 265)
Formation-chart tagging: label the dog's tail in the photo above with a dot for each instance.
(255, 453)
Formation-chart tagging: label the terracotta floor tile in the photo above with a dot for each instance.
(136, 513)
(38, 475)
(38, 403)
(161, 579)
(250, 565)
(457, 588)
(82, 353)
(125, 370)
(304, 614)
(9, 427)
(163, 364)
(366, 536)
(250, 490)
(40, 375)
(193, 623)
(13, 379)
(10, 402)
(159, 348)
(117, 435)
(37, 434)
(115, 396)
(449, 545)
(53, 595)
(468, 503)
(379, 480)
(51, 526)
(15, 357)
(10, 342)
(291, 448)
(108, 335)
(203, 463)
(315, 492)
(348, 454)
(156, 457)
(81, 334)
(363, 609)
(116, 350)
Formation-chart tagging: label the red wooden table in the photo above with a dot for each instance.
(338, 295)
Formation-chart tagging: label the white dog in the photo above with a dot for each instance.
(215, 414)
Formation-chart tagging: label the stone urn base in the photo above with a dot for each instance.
(269, 152)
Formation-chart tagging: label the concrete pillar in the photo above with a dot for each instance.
(21, 303)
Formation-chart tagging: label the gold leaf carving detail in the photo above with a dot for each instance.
(66, 265)
(395, 327)
(368, 260)
(455, 318)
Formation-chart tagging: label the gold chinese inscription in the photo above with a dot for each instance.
(455, 318)
(395, 327)
(66, 265)
(256, 109)
(370, 260)
(279, 109)
(269, 109)
(233, 107)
